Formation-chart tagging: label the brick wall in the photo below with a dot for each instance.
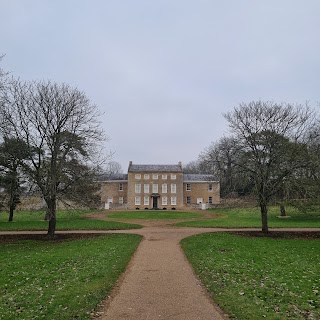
(132, 181)
(110, 190)
(201, 190)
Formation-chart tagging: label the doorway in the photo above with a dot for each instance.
(155, 203)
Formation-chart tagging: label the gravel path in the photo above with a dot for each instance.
(159, 283)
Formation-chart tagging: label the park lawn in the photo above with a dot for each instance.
(66, 220)
(61, 280)
(250, 217)
(255, 278)
(153, 215)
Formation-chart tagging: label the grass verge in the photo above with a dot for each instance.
(255, 278)
(60, 280)
(153, 215)
(250, 217)
(66, 220)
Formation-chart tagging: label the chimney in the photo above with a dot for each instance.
(180, 164)
(130, 163)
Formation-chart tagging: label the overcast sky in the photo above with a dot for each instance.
(164, 71)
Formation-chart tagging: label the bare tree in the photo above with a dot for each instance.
(271, 139)
(112, 168)
(220, 159)
(193, 167)
(61, 129)
(2, 74)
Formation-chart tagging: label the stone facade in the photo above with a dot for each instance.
(159, 187)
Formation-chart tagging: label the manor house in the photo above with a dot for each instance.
(147, 186)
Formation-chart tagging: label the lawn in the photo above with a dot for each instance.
(60, 280)
(250, 217)
(66, 220)
(255, 278)
(153, 215)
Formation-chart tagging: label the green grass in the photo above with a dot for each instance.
(255, 278)
(66, 280)
(66, 220)
(153, 215)
(250, 217)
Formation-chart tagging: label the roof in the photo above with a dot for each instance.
(113, 177)
(199, 177)
(155, 168)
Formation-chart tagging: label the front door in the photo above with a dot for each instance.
(155, 203)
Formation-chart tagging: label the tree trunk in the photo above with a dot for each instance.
(52, 227)
(264, 217)
(47, 215)
(11, 214)
(283, 211)
(52, 218)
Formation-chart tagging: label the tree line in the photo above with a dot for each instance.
(272, 152)
(50, 141)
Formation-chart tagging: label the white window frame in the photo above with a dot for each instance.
(210, 187)
(164, 201)
(188, 187)
(120, 186)
(210, 200)
(164, 177)
(137, 188)
(146, 188)
(173, 201)
(146, 176)
(137, 176)
(164, 188)
(199, 200)
(146, 200)
(173, 177)
(155, 177)
(137, 200)
(173, 188)
(120, 200)
(188, 200)
(155, 188)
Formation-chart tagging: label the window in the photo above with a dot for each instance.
(173, 188)
(188, 200)
(146, 201)
(210, 200)
(164, 188)
(188, 188)
(137, 176)
(146, 188)
(155, 177)
(110, 199)
(164, 177)
(210, 187)
(164, 201)
(146, 177)
(199, 200)
(138, 188)
(120, 200)
(137, 200)
(173, 177)
(173, 201)
(120, 186)
(155, 188)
